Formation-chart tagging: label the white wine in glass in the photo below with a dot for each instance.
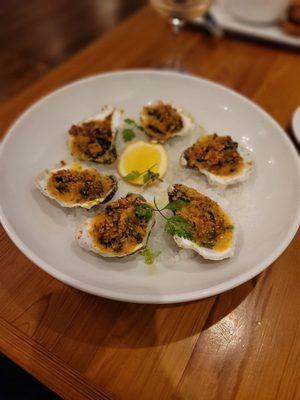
(181, 11)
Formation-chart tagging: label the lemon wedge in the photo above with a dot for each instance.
(141, 156)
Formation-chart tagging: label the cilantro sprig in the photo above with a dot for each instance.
(144, 210)
(175, 205)
(129, 121)
(179, 226)
(149, 255)
(230, 227)
(132, 175)
(131, 128)
(148, 175)
(208, 245)
(128, 135)
(175, 225)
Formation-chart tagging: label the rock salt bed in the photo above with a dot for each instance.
(237, 200)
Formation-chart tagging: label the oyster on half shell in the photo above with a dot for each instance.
(214, 230)
(117, 231)
(162, 121)
(75, 185)
(94, 139)
(219, 158)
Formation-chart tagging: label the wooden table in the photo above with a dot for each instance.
(38, 35)
(243, 344)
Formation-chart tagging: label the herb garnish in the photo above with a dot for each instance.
(179, 226)
(175, 225)
(144, 210)
(129, 121)
(132, 175)
(149, 255)
(175, 205)
(208, 245)
(130, 130)
(128, 135)
(148, 175)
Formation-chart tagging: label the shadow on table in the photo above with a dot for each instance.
(70, 313)
(129, 325)
(92, 332)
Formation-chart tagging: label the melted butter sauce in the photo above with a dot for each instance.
(129, 245)
(225, 240)
(72, 195)
(240, 165)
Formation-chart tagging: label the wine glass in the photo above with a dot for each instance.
(180, 11)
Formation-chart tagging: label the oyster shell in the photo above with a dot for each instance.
(162, 121)
(219, 158)
(214, 230)
(116, 231)
(94, 139)
(75, 185)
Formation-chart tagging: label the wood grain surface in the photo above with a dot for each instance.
(38, 35)
(243, 344)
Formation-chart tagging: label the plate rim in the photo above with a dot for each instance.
(155, 298)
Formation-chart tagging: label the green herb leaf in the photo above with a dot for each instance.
(136, 174)
(130, 121)
(150, 177)
(230, 227)
(180, 226)
(132, 175)
(128, 135)
(149, 255)
(175, 205)
(144, 210)
(208, 245)
(130, 132)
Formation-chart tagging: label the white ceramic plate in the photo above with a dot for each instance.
(43, 230)
(269, 32)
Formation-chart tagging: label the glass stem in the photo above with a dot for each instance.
(177, 24)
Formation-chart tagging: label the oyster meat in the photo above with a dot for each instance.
(118, 230)
(162, 121)
(219, 158)
(75, 185)
(214, 232)
(94, 139)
